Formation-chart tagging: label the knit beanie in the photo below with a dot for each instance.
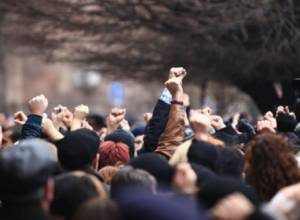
(122, 136)
(78, 149)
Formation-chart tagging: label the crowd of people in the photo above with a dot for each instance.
(183, 163)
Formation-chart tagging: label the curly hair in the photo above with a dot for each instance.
(272, 164)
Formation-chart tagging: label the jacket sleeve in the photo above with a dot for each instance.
(32, 128)
(156, 126)
(174, 132)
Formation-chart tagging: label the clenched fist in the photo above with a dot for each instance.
(38, 105)
(178, 72)
(20, 118)
(81, 112)
(174, 85)
(116, 116)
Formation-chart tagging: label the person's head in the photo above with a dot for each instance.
(107, 173)
(217, 188)
(96, 209)
(96, 121)
(72, 190)
(137, 206)
(230, 162)
(138, 133)
(26, 170)
(78, 149)
(113, 154)
(122, 136)
(204, 154)
(271, 164)
(130, 178)
(156, 165)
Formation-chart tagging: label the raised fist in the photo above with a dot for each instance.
(38, 105)
(174, 85)
(217, 122)
(264, 125)
(20, 118)
(81, 112)
(199, 121)
(178, 72)
(270, 117)
(114, 118)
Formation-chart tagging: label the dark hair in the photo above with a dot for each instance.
(271, 164)
(129, 177)
(96, 209)
(72, 190)
(230, 162)
(96, 121)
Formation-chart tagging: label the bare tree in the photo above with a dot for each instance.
(251, 43)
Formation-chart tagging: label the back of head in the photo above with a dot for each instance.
(97, 209)
(218, 188)
(159, 207)
(122, 136)
(96, 121)
(204, 154)
(156, 165)
(107, 173)
(25, 169)
(112, 153)
(271, 156)
(78, 149)
(72, 190)
(129, 178)
(230, 162)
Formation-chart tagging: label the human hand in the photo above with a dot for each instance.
(265, 125)
(38, 105)
(217, 122)
(270, 117)
(147, 117)
(199, 121)
(233, 207)
(185, 179)
(114, 118)
(125, 125)
(281, 109)
(49, 129)
(20, 118)
(174, 85)
(81, 112)
(178, 72)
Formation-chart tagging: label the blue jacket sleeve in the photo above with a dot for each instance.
(32, 128)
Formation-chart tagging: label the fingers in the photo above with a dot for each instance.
(178, 72)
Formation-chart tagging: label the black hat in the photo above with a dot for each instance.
(78, 149)
(123, 136)
(204, 154)
(156, 165)
(24, 170)
(217, 188)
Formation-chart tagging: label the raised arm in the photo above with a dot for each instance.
(173, 135)
(37, 107)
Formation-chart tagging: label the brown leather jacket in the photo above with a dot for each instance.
(174, 132)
